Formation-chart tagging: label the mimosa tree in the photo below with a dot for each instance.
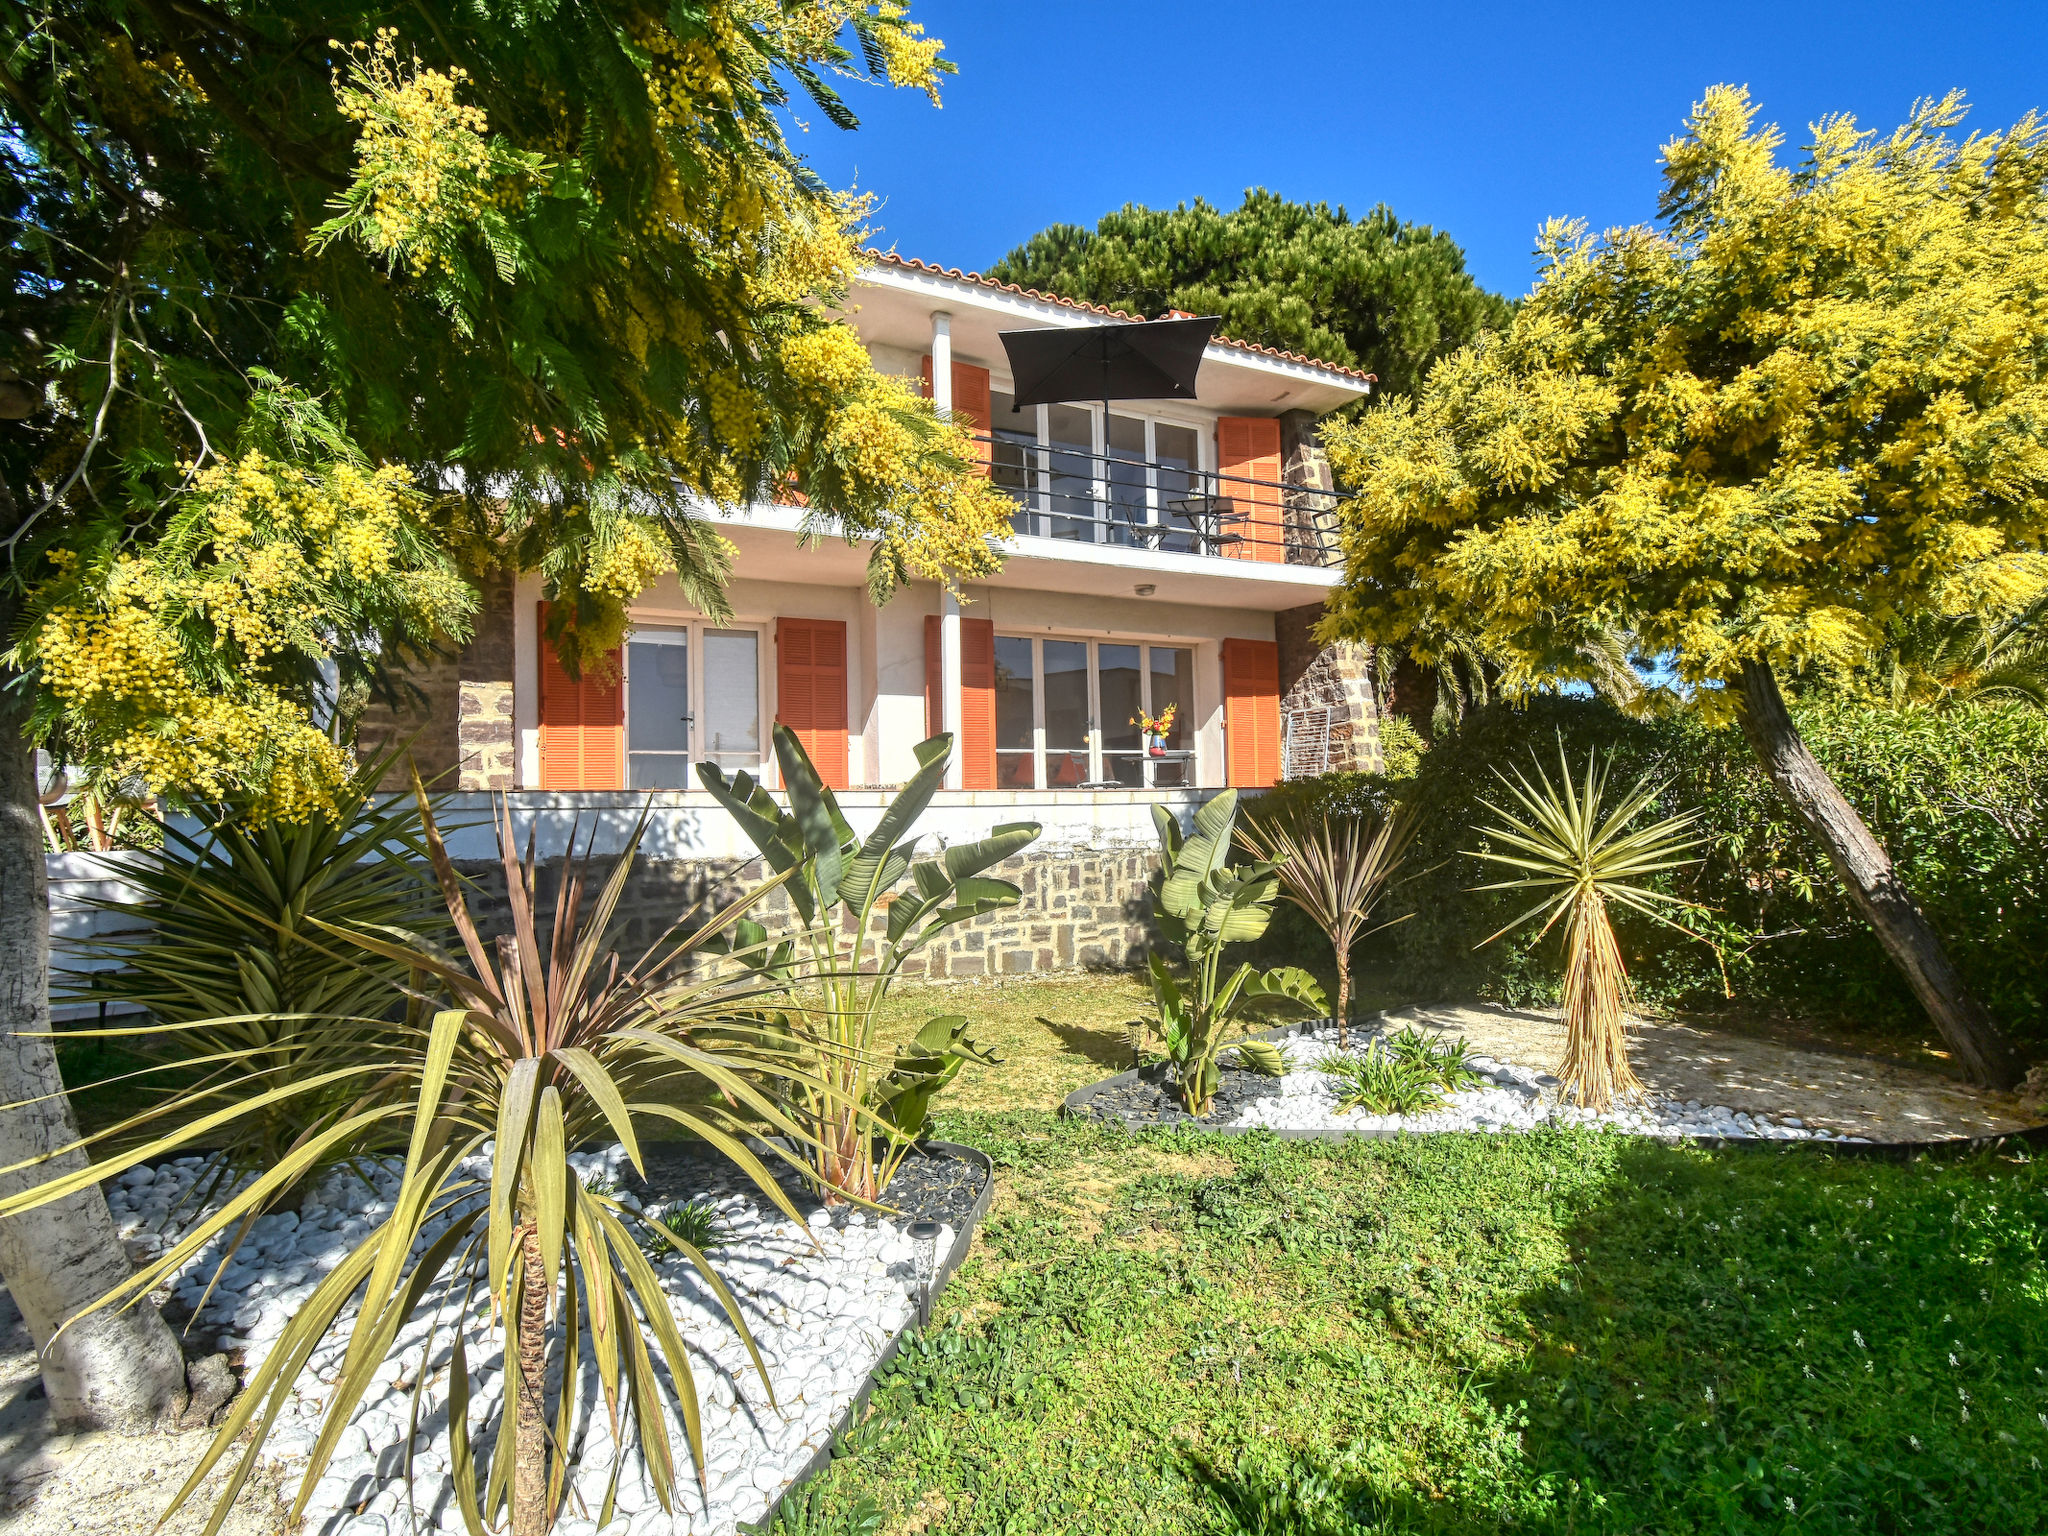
(1813, 403)
(306, 317)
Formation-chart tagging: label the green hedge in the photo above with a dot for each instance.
(1959, 796)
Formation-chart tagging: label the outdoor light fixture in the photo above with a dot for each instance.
(925, 1234)
(1144, 589)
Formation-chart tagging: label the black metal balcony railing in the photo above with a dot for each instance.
(1134, 503)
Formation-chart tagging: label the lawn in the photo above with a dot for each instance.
(1559, 1332)
(1057, 1034)
(1563, 1332)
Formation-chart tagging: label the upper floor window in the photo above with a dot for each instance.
(693, 694)
(1067, 713)
(1123, 479)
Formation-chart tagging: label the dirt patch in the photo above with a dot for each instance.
(1856, 1095)
(105, 1485)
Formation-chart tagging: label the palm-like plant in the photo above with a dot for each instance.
(549, 1043)
(832, 976)
(1336, 870)
(1570, 845)
(232, 954)
(1936, 660)
(1202, 903)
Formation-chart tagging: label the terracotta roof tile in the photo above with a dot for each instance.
(890, 258)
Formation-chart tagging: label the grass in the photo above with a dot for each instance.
(1569, 1331)
(1059, 1033)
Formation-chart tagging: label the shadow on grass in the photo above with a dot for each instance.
(1772, 1338)
(1742, 1341)
(1110, 1049)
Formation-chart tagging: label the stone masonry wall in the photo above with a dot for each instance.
(1084, 909)
(1338, 677)
(460, 720)
(485, 742)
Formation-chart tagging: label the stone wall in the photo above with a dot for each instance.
(485, 740)
(1082, 909)
(1309, 515)
(1337, 677)
(459, 713)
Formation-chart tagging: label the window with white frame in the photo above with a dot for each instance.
(693, 695)
(1093, 478)
(1070, 713)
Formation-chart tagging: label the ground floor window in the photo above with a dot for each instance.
(693, 694)
(1068, 712)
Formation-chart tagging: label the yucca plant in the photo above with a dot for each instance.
(548, 1042)
(857, 925)
(1581, 854)
(1336, 870)
(1202, 903)
(231, 952)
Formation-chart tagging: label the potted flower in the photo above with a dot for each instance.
(1156, 730)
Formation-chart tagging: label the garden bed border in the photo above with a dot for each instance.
(1076, 1107)
(943, 1270)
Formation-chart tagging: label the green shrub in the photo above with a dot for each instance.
(1382, 1082)
(1959, 796)
(1401, 746)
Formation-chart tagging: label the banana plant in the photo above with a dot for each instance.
(864, 906)
(1201, 902)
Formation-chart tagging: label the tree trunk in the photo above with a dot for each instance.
(1343, 995)
(530, 1428)
(118, 1370)
(1866, 872)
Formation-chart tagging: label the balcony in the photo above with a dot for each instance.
(1126, 500)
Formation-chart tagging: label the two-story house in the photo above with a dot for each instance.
(1170, 553)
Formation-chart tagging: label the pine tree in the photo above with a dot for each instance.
(1373, 293)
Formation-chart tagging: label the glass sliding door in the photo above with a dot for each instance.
(1176, 457)
(1170, 677)
(1015, 462)
(1122, 689)
(1070, 434)
(1016, 714)
(1069, 722)
(732, 697)
(658, 709)
(1130, 507)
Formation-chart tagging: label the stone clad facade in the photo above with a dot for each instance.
(1082, 909)
(1338, 678)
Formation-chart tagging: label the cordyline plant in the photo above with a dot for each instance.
(230, 952)
(549, 1043)
(1583, 855)
(1201, 903)
(1335, 869)
(858, 927)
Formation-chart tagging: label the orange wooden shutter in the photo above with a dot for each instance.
(934, 676)
(1251, 712)
(977, 744)
(810, 691)
(582, 723)
(1248, 448)
(971, 405)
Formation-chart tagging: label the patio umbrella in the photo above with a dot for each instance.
(1130, 360)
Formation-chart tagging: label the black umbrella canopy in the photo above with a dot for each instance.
(1129, 360)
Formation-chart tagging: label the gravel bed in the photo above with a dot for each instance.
(823, 1301)
(1512, 1099)
(1151, 1099)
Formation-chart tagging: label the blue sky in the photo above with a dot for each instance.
(1482, 120)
